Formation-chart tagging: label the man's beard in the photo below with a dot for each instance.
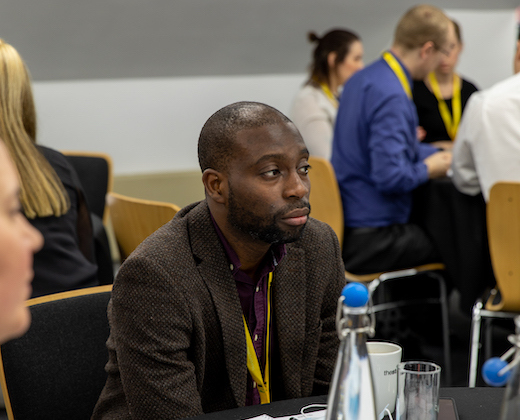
(264, 229)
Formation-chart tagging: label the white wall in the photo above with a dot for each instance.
(152, 125)
(147, 125)
(489, 45)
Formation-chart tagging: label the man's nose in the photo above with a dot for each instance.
(297, 185)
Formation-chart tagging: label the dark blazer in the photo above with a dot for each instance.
(177, 344)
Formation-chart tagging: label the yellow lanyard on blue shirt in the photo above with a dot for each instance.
(451, 123)
(262, 382)
(399, 72)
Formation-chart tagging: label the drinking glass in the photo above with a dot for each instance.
(418, 391)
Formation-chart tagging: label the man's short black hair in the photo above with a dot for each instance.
(217, 138)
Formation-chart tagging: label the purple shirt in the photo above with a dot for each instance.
(253, 299)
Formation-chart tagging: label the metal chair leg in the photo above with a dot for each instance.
(443, 300)
(487, 335)
(476, 320)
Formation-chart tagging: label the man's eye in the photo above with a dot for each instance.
(305, 169)
(272, 172)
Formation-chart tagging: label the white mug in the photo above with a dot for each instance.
(384, 358)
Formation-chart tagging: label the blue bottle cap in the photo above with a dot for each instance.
(490, 371)
(355, 294)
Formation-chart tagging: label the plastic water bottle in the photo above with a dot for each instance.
(497, 372)
(351, 396)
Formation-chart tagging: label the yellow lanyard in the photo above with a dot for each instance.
(399, 72)
(326, 90)
(451, 124)
(262, 383)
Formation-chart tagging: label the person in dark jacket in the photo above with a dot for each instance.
(233, 301)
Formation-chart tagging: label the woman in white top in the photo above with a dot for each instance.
(337, 56)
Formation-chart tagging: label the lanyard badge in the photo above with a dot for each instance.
(399, 72)
(450, 122)
(262, 382)
(326, 90)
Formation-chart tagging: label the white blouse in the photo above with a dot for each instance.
(314, 115)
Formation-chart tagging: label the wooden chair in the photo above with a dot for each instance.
(134, 219)
(325, 198)
(503, 226)
(326, 206)
(57, 369)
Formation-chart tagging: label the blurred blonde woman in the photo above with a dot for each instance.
(50, 193)
(337, 56)
(18, 242)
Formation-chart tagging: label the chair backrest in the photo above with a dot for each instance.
(325, 197)
(134, 219)
(503, 224)
(56, 370)
(94, 170)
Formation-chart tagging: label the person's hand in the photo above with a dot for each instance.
(421, 133)
(438, 164)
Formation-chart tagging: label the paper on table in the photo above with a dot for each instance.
(315, 415)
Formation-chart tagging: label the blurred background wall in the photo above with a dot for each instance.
(138, 78)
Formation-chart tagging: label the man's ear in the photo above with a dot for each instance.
(427, 49)
(215, 183)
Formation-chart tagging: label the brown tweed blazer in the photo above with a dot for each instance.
(177, 345)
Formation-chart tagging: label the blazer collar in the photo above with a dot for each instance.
(218, 278)
(288, 300)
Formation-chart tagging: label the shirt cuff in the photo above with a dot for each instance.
(426, 150)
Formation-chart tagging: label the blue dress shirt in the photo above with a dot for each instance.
(376, 155)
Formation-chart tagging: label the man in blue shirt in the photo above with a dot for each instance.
(376, 156)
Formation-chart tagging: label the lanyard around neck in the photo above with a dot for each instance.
(451, 123)
(262, 382)
(399, 72)
(328, 93)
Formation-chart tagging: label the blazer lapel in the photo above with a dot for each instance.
(217, 276)
(289, 296)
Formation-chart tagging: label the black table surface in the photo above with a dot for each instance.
(471, 404)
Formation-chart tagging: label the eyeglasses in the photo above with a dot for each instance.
(446, 52)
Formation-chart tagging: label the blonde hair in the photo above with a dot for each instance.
(421, 24)
(42, 193)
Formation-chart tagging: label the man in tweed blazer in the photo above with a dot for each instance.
(177, 345)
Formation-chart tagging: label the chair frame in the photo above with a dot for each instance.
(330, 210)
(38, 301)
(503, 225)
(101, 230)
(478, 314)
(110, 165)
(376, 279)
